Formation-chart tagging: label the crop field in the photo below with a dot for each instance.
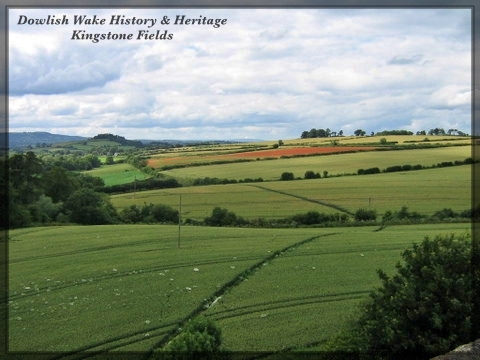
(424, 191)
(116, 174)
(158, 162)
(129, 287)
(335, 164)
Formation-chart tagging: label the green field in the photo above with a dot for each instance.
(334, 164)
(116, 174)
(125, 287)
(424, 191)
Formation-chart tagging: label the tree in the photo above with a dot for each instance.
(359, 132)
(87, 207)
(365, 215)
(286, 176)
(311, 175)
(221, 217)
(59, 184)
(425, 308)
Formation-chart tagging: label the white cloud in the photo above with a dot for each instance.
(266, 73)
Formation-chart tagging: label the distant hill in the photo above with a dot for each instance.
(19, 140)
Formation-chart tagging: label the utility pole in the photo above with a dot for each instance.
(134, 186)
(179, 219)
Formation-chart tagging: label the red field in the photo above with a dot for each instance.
(261, 154)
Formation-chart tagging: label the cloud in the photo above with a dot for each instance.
(399, 60)
(267, 73)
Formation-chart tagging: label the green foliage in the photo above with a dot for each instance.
(87, 207)
(365, 215)
(137, 185)
(394, 132)
(201, 335)
(425, 308)
(311, 175)
(374, 170)
(59, 184)
(287, 176)
(316, 218)
(222, 217)
(151, 213)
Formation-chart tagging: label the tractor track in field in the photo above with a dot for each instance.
(287, 303)
(119, 274)
(114, 343)
(323, 203)
(228, 286)
(82, 251)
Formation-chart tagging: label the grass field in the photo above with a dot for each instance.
(116, 174)
(126, 287)
(334, 164)
(424, 191)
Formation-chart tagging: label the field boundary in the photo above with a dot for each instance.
(323, 203)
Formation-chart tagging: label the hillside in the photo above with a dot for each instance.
(19, 140)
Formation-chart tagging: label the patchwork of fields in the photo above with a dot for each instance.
(336, 164)
(132, 287)
(424, 191)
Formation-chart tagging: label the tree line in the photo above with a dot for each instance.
(322, 133)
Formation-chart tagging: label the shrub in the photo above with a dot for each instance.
(286, 176)
(311, 175)
(425, 308)
(365, 215)
(445, 214)
(201, 335)
(221, 217)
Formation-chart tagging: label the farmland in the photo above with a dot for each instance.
(126, 287)
(130, 287)
(425, 191)
(335, 164)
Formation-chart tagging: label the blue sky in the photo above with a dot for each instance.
(265, 74)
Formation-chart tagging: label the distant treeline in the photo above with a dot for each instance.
(119, 139)
(321, 133)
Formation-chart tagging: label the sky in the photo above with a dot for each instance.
(264, 74)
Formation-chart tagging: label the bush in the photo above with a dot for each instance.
(365, 215)
(221, 217)
(425, 308)
(201, 335)
(445, 214)
(87, 207)
(311, 175)
(286, 176)
(149, 214)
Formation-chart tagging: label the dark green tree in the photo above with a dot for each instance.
(59, 183)
(221, 217)
(425, 308)
(365, 215)
(87, 207)
(286, 176)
